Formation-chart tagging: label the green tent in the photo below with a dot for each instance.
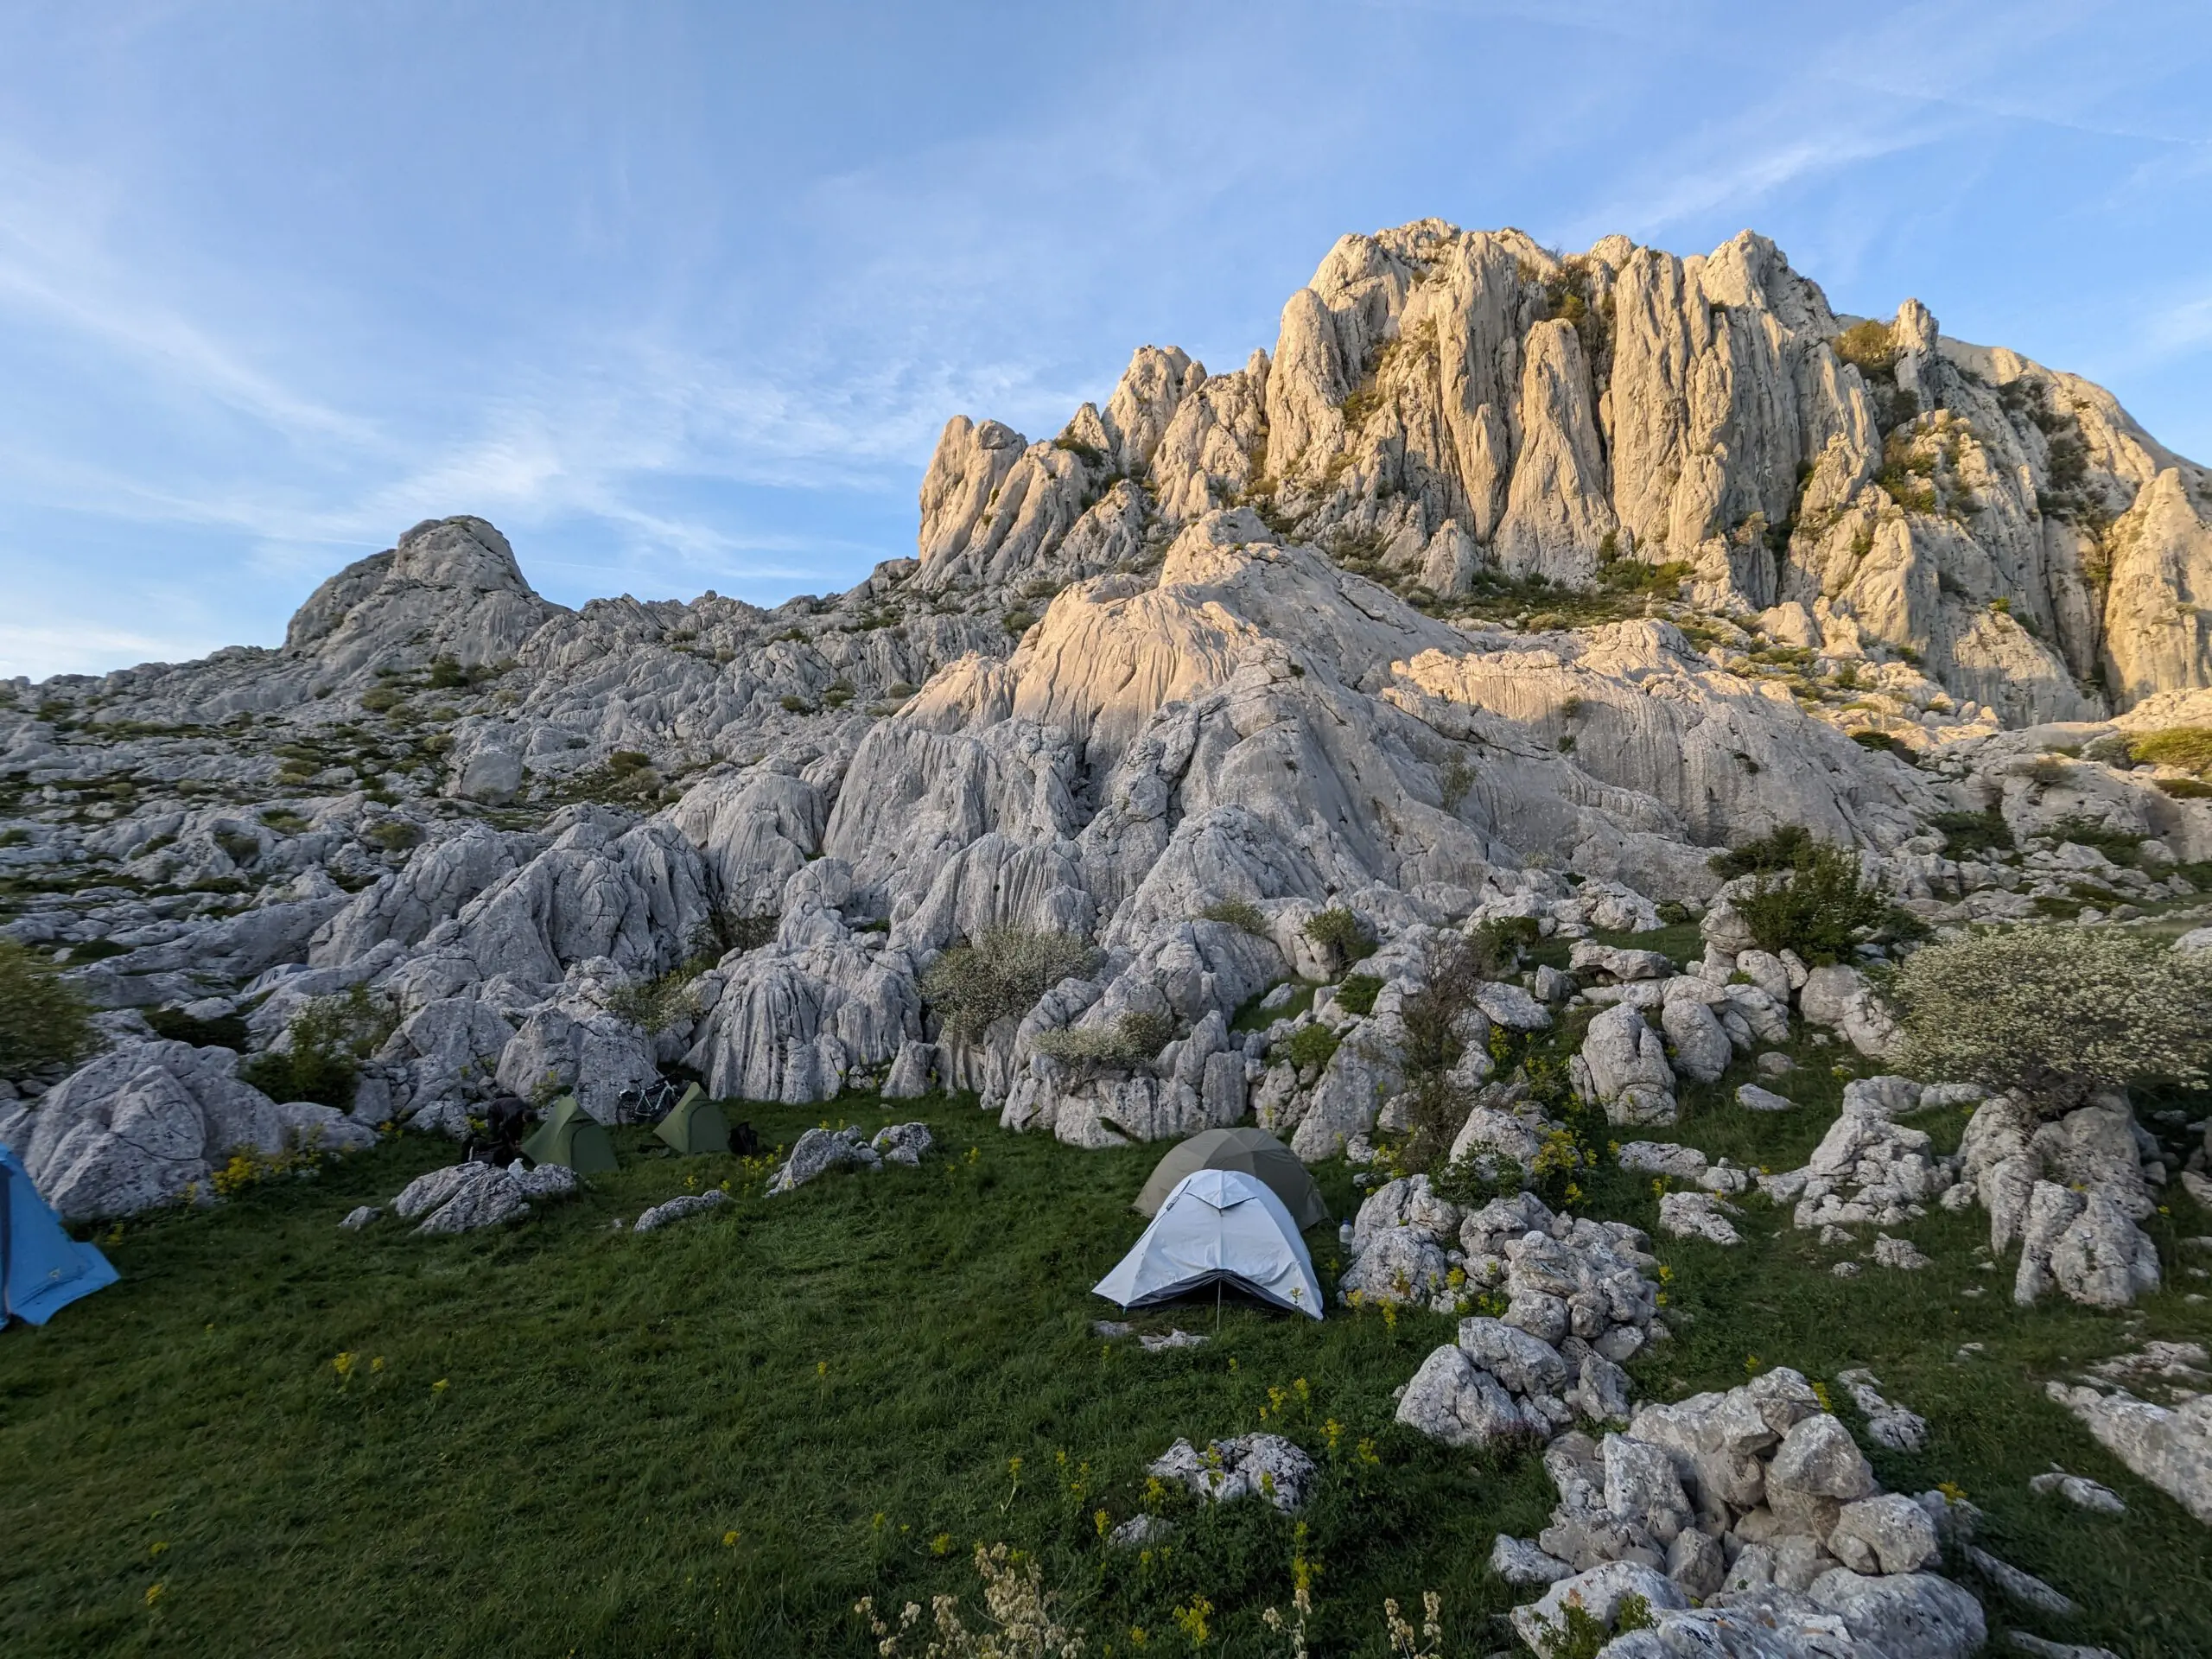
(1255, 1153)
(695, 1124)
(572, 1136)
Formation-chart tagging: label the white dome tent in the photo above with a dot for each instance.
(1218, 1226)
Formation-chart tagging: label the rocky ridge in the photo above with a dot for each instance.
(1509, 586)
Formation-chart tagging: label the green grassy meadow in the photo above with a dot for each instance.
(562, 1439)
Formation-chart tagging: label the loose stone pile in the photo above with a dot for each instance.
(1757, 1503)
(1868, 1169)
(1574, 1298)
(1249, 1465)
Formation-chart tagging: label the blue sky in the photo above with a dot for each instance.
(679, 295)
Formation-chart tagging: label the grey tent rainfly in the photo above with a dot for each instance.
(1254, 1152)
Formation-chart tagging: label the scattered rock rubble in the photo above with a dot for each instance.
(819, 1150)
(1757, 1506)
(1250, 1465)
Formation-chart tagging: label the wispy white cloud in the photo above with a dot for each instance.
(59, 267)
(79, 647)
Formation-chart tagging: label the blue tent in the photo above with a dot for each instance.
(43, 1269)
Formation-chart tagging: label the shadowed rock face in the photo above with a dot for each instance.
(1203, 666)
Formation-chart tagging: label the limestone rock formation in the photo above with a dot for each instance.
(1230, 653)
(1757, 1507)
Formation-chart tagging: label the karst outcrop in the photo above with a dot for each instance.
(1505, 585)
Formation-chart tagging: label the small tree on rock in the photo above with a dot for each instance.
(2057, 1013)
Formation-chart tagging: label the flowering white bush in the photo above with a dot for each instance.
(1014, 1600)
(2059, 1013)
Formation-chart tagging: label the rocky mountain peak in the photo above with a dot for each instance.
(451, 588)
(466, 554)
(1484, 424)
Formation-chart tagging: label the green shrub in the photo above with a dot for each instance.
(330, 1037)
(1969, 833)
(1868, 347)
(2059, 1013)
(1253, 1017)
(379, 699)
(1433, 1017)
(2187, 747)
(1237, 912)
(1358, 992)
(1130, 1042)
(1578, 1636)
(15, 836)
(283, 821)
(1312, 1046)
(734, 930)
(446, 674)
(2121, 846)
(1000, 975)
(654, 1005)
(1453, 783)
(1339, 932)
(241, 848)
(1819, 907)
(1779, 849)
(1019, 622)
(2185, 789)
(1632, 576)
(393, 834)
(1881, 743)
(43, 1021)
(796, 705)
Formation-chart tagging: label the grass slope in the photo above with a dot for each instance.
(713, 1440)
